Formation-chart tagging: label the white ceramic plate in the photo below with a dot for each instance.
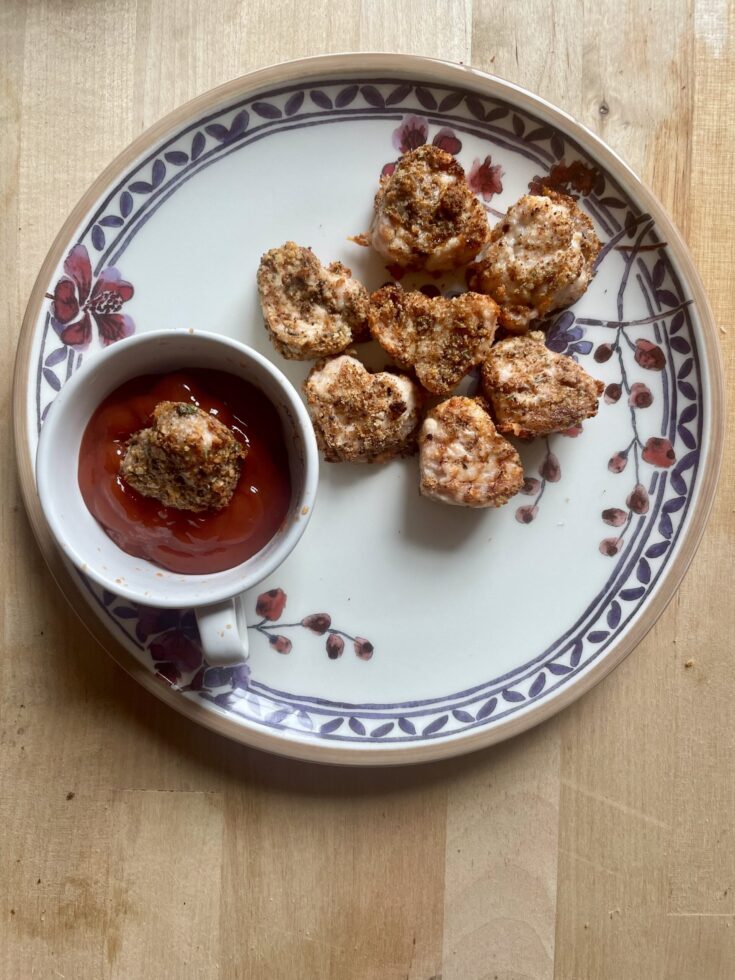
(456, 628)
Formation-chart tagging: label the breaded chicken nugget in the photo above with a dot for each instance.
(534, 391)
(310, 310)
(186, 458)
(426, 217)
(540, 258)
(441, 339)
(361, 417)
(463, 459)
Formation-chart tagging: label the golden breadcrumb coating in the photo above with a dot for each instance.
(540, 258)
(441, 339)
(310, 311)
(534, 391)
(361, 417)
(463, 459)
(426, 216)
(187, 459)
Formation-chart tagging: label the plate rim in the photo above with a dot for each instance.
(307, 748)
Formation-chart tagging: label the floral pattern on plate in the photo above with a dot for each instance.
(653, 384)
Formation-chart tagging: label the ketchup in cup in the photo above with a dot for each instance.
(178, 540)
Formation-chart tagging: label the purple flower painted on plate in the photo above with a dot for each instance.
(485, 178)
(411, 134)
(208, 678)
(241, 676)
(78, 301)
(565, 337)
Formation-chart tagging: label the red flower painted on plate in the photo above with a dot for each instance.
(410, 134)
(270, 605)
(318, 623)
(618, 462)
(576, 176)
(485, 178)
(281, 644)
(640, 396)
(524, 515)
(610, 546)
(603, 353)
(649, 356)
(447, 140)
(171, 638)
(387, 170)
(530, 486)
(638, 499)
(612, 393)
(167, 672)
(614, 516)
(335, 646)
(178, 649)
(573, 431)
(77, 302)
(550, 469)
(363, 648)
(659, 452)
(397, 271)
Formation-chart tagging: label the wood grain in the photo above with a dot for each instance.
(597, 846)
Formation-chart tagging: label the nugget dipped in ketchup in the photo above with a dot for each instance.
(189, 470)
(186, 458)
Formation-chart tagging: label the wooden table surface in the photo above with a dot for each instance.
(135, 845)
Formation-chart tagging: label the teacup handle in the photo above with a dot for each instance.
(223, 632)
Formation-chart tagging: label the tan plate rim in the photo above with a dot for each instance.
(311, 749)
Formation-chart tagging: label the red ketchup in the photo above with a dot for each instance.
(178, 540)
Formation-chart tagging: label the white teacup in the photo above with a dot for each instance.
(215, 597)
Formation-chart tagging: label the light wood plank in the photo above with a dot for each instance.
(341, 872)
(165, 884)
(501, 842)
(647, 857)
(601, 843)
